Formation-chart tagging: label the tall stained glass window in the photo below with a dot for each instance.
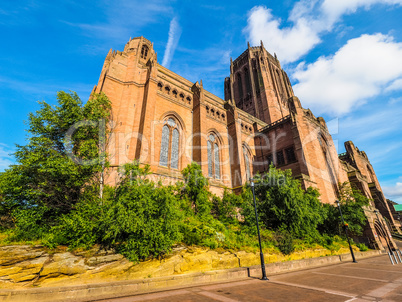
(163, 159)
(247, 162)
(210, 167)
(213, 157)
(239, 86)
(217, 163)
(175, 149)
(169, 156)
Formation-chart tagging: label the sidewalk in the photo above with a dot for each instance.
(373, 279)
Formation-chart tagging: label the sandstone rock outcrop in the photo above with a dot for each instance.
(28, 266)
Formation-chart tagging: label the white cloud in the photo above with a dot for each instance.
(290, 43)
(334, 9)
(309, 20)
(174, 36)
(5, 158)
(395, 85)
(359, 70)
(393, 192)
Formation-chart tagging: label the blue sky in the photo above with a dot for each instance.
(344, 58)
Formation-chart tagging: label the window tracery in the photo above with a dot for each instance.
(170, 143)
(213, 157)
(247, 162)
(144, 52)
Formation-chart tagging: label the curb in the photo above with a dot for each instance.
(92, 292)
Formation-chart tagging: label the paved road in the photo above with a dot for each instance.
(373, 279)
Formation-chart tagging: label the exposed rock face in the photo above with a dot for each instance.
(24, 265)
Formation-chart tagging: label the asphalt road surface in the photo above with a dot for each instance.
(373, 279)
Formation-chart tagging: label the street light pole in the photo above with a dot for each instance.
(346, 231)
(264, 275)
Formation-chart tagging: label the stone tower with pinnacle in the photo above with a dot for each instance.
(258, 85)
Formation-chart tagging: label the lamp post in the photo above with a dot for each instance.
(346, 231)
(390, 253)
(264, 275)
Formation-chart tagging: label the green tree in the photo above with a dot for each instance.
(46, 178)
(196, 190)
(352, 203)
(283, 205)
(226, 209)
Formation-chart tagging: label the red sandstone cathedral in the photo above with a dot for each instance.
(167, 121)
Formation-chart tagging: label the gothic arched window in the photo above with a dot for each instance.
(247, 78)
(169, 156)
(255, 75)
(214, 167)
(279, 81)
(144, 52)
(247, 162)
(239, 85)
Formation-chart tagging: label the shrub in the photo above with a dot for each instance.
(143, 219)
(285, 242)
(32, 222)
(362, 247)
(196, 190)
(80, 228)
(140, 220)
(226, 209)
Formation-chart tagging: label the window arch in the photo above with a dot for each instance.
(144, 52)
(214, 166)
(169, 156)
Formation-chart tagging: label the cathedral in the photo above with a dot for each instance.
(167, 122)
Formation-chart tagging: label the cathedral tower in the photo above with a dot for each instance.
(258, 85)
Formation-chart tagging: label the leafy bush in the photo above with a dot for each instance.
(140, 220)
(196, 190)
(80, 228)
(226, 209)
(32, 222)
(285, 242)
(362, 247)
